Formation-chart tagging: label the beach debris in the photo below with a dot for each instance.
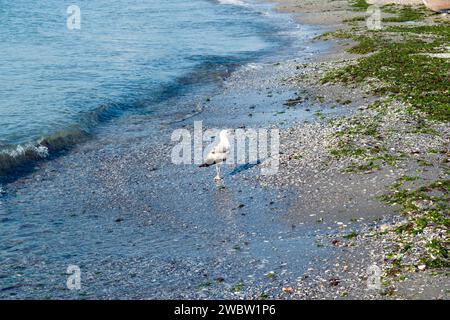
(219, 279)
(240, 206)
(422, 267)
(294, 101)
(336, 242)
(334, 282)
(288, 290)
(341, 224)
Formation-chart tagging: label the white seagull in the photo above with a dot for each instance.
(218, 154)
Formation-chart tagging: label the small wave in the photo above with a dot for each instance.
(10, 159)
(253, 66)
(18, 156)
(233, 2)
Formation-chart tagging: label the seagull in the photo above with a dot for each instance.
(218, 154)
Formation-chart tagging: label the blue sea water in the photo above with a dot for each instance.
(57, 83)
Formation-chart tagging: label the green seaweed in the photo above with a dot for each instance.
(359, 5)
(408, 73)
(404, 13)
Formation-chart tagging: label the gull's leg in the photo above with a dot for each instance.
(217, 177)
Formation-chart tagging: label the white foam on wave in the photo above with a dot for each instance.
(21, 154)
(253, 66)
(233, 2)
(40, 151)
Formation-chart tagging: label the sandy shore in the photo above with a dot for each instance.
(320, 12)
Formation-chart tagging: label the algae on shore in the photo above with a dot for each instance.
(402, 60)
(405, 66)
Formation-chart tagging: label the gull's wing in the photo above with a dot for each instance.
(217, 155)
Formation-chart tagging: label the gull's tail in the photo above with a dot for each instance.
(205, 165)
